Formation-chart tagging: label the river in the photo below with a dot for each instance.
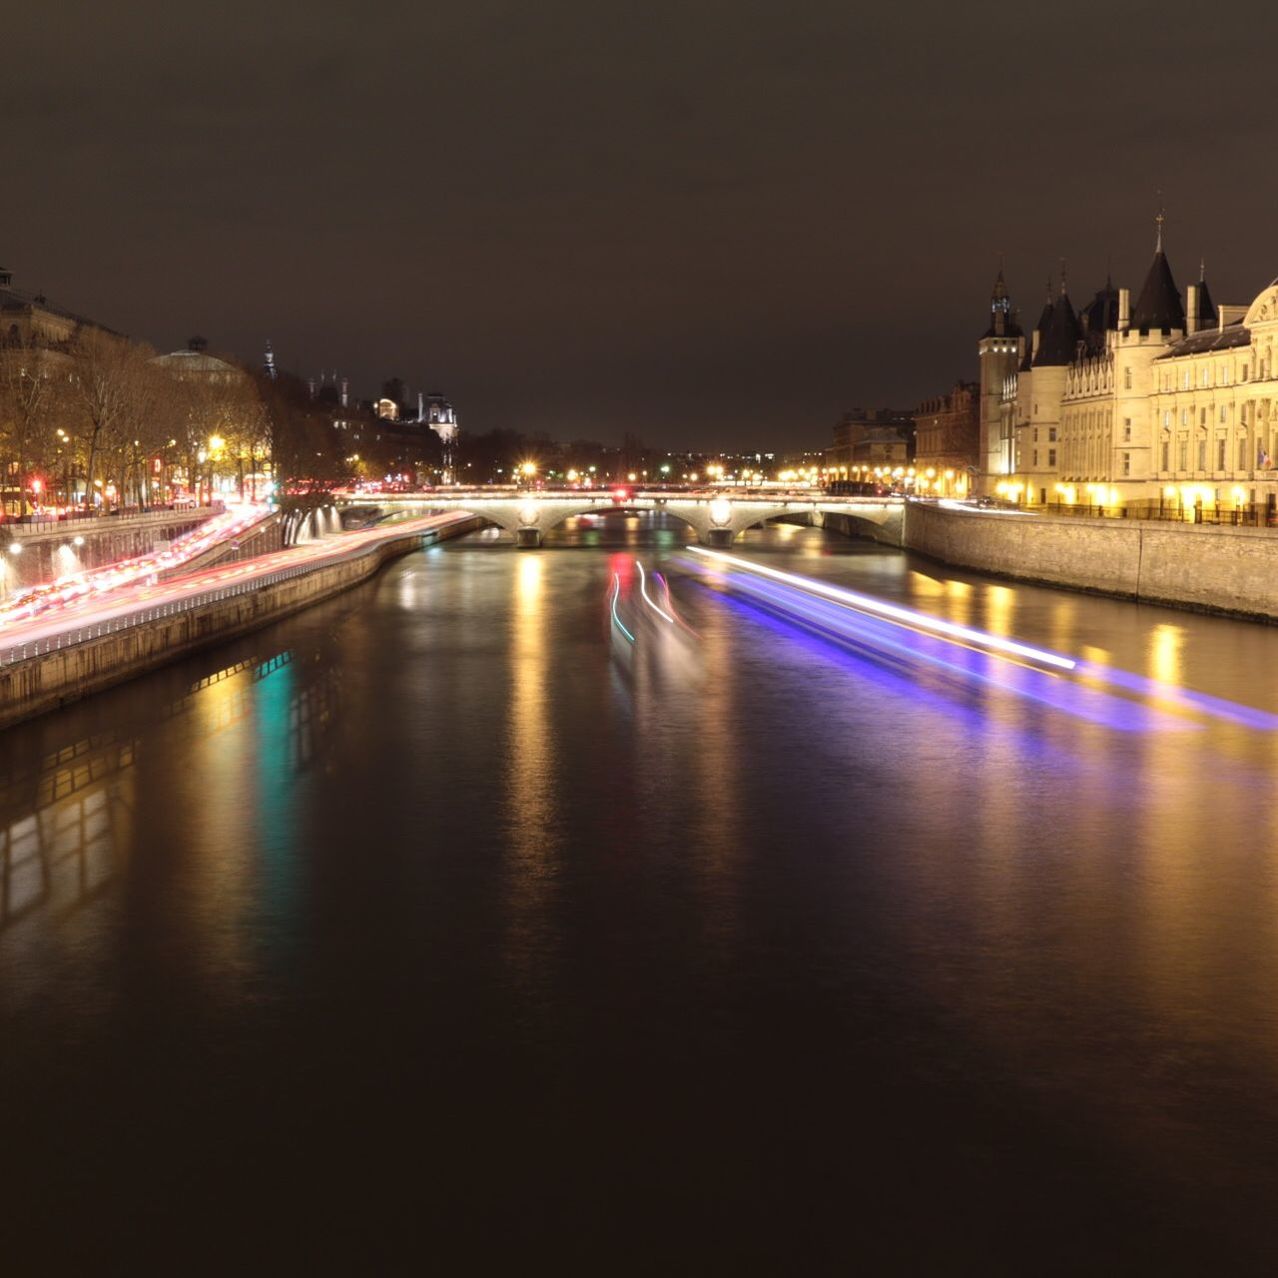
(459, 923)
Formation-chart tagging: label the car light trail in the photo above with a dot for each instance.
(36, 601)
(96, 613)
(902, 616)
(647, 598)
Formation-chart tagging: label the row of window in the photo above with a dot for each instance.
(1251, 412)
(1247, 458)
(1169, 378)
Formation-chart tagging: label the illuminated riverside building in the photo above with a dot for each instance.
(946, 441)
(1167, 402)
(869, 440)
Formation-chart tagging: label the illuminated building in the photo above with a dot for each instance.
(442, 419)
(947, 439)
(869, 438)
(1168, 400)
(999, 350)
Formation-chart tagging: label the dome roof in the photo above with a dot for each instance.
(190, 362)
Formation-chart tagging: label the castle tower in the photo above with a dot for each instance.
(999, 350)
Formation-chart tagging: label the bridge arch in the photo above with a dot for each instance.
(845, 523)
(622, 508)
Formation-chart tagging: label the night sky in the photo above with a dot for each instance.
(711, 224)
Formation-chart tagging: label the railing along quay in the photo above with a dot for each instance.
(1248, 516)
(93, 521)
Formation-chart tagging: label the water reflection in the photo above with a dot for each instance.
(63, 825)
(68, 825)
(531, 766)
(457, 857)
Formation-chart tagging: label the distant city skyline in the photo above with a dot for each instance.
(694, 223)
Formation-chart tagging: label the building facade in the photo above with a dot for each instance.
(866, 440)
(947, 440)
(1170, 401)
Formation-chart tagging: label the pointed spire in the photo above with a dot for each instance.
(1159, 218)
(1207, 313)
(1159, 305)
(1059, 331)
(1001, 308)
(1000, 284)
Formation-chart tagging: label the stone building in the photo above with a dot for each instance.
(1170, 400)
(864, 439)
(947, 440)
(31, 320)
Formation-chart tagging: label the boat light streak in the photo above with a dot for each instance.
(643, 590)
(616, 594)
(885, 643)
(903, 616)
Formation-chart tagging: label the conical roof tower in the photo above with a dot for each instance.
(1159, 307)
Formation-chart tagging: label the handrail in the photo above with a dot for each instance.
(16, 526)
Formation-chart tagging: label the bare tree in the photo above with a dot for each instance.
(26, 399)
(113, 385)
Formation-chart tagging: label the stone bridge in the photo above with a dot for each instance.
(717, 518)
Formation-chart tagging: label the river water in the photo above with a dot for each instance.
(456, 925)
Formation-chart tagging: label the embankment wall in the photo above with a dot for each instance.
(42, 683)
(1199, 566)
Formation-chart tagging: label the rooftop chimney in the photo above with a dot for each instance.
(1191, 310)
(1124, 309)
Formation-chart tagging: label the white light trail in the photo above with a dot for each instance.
(643, 590)
(616, 594)
(904, 616)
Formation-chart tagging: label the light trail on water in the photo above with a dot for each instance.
(881, 631)
(903, 616)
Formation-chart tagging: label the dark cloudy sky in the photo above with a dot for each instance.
(711, 222)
